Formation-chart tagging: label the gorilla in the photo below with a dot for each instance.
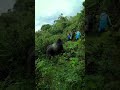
(55, 48)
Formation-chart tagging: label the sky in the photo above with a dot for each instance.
(46, 11)
(5, 5)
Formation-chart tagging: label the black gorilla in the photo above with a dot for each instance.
(55, 48)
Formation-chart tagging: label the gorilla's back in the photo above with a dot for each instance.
(54, 45)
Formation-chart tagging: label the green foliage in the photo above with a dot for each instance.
(16, 38)
(103, 49)
(64, 71)
(45, 27)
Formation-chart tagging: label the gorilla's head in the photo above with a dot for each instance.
(59, 42)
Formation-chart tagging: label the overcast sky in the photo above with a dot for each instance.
(46, 11)
(5, 5)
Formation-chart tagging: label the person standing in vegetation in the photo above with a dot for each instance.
(73, 36)
(69, 36)
(78, 34)
(104, 21)
(89, 22)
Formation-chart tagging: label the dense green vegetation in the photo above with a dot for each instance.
(91, 63)
(16, 39)
(102, 51)
(64, 71)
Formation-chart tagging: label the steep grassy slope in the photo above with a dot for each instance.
(64, 71)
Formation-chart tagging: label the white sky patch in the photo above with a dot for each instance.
(46, 11)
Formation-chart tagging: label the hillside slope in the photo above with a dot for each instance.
(102, 51)
(64, 71)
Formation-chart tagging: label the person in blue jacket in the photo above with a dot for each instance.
(104, 21)
(78, 35)
(69, 37)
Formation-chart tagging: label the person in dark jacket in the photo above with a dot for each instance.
(73, 35)
(89, 21)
